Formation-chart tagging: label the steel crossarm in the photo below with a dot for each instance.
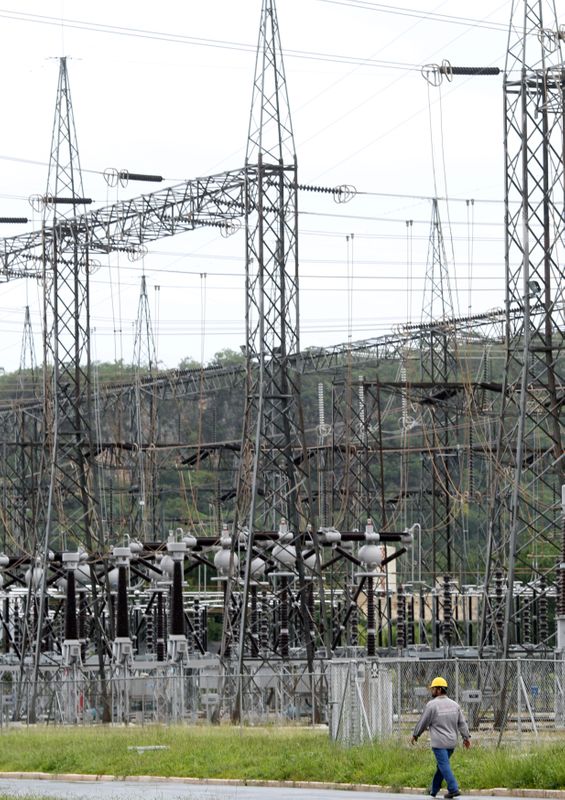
(217, 200)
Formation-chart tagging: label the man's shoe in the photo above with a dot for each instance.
(429, 792)
(449, 795)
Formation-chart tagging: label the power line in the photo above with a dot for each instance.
(116, 30)
(426, 15)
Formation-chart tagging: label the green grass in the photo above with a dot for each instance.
(290, 754)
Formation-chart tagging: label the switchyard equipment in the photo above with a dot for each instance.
(312, 555)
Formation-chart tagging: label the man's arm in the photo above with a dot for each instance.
(463, 729)
(423, 723)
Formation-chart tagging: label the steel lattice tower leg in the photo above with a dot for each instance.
(524, 536)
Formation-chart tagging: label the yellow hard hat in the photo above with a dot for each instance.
(438, 682)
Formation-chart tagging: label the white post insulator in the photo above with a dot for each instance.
(136, 548)
(121, 555)
(284, 552)
(113, 578)
(34, 576)
(331, 536)
(370, 554)
(224, 556)
(309, 561)
(190, 541)
(258, 567)
(167, 566)
(176, 550)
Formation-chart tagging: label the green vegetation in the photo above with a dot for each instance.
(285, 754)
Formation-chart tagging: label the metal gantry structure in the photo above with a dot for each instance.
(315, 549)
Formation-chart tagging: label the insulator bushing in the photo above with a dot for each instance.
(254, 620)
(543, 627)
(159, 642)
(526, 623)
(410, 621)
(51, 200)
(354, 626)
(71, 630)
(499, 600)
(283, 614)
(122, 618)
(448, 69)
(177, 611)
(124, 175)
(447, 609)
(371, 622)
(264, 623)
(401, 619)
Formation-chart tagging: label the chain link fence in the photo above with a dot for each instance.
(357, 699)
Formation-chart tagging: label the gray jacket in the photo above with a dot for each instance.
(443, 717)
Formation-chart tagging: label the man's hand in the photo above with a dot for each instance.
(466, 743)
(413, 740)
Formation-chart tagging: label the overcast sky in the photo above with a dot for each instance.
(165, 88)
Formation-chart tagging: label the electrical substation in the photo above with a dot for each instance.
(340, 566)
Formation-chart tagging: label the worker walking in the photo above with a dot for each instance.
(444, 719)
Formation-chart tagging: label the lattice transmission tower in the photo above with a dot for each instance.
(438, 368)
(144, 424)
(273, 482)
(71, 505)
(68, 514)
(525, 527)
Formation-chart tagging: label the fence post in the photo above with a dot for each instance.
(456, 680)
(399, 696)
(519, 693)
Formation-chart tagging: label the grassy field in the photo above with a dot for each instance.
(290, 754)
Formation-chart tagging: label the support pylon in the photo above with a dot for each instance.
(273, 481)
(69, 511)
(438, 366)
(144, 424)
(71, 515)
(525, 525)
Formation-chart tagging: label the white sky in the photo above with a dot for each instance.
(180, 109)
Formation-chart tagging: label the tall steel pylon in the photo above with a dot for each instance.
(438, 366)
(144, 423)
(273, 481)
(71, 514)
(525, 525)
(68, 514)
(19, 455)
